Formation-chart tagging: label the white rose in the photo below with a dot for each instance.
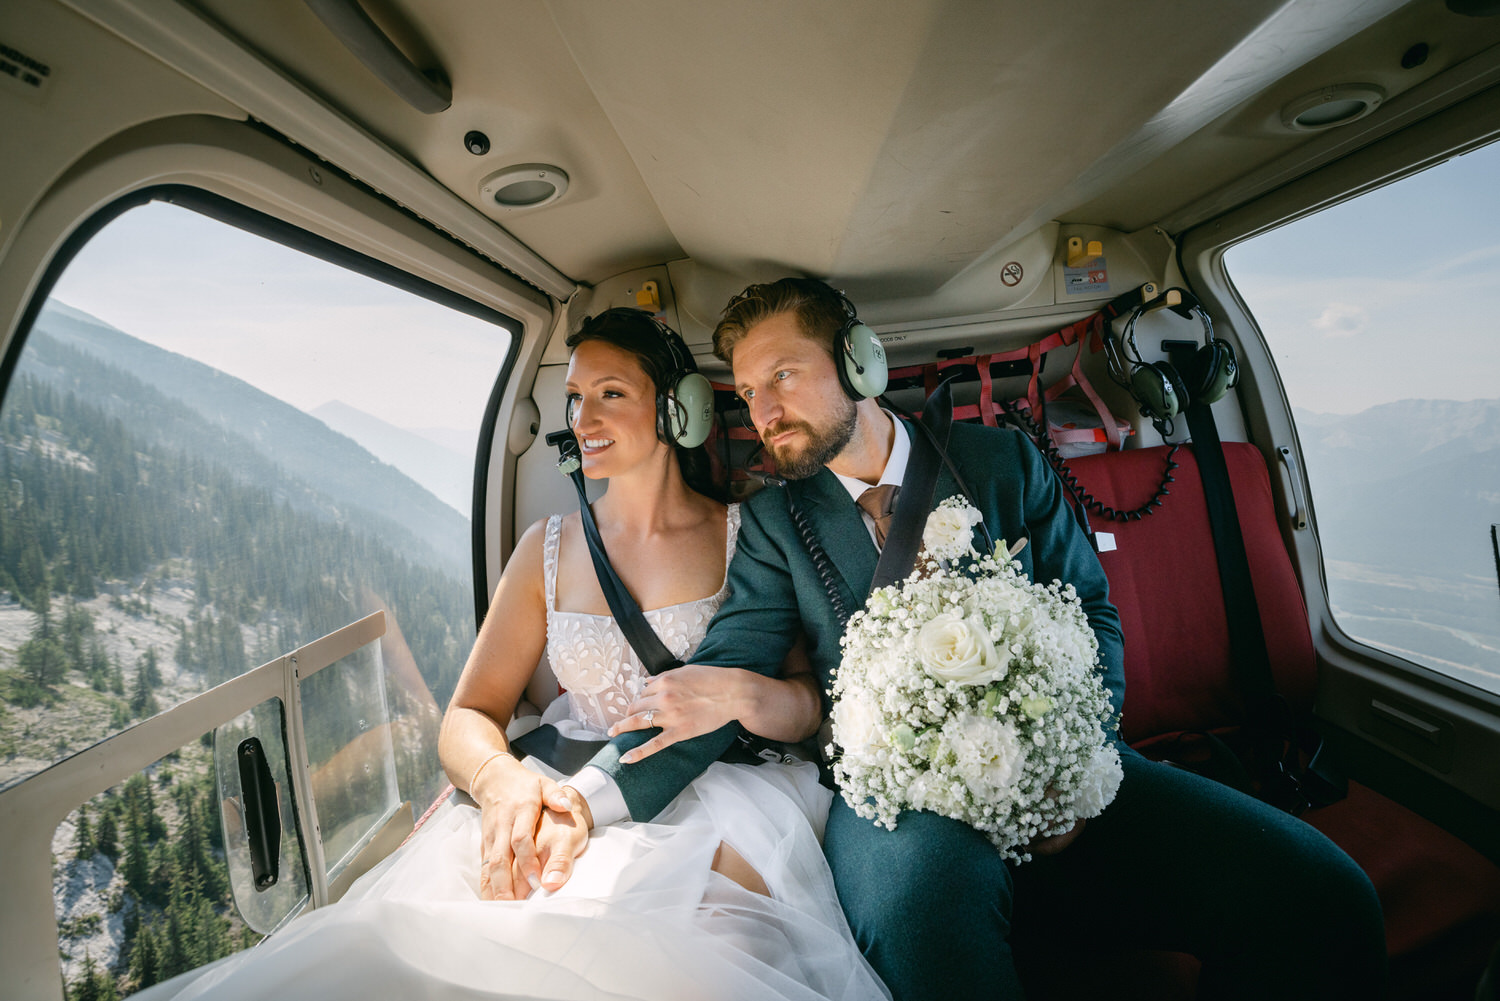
(856, 723)
(949, 531)
(954, 648)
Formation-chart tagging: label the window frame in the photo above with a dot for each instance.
(1461, 795)
(232, 213)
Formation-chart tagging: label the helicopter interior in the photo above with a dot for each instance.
(978, 178)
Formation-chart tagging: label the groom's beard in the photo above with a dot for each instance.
(816, 448)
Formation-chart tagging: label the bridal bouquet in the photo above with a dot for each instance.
(970, 691)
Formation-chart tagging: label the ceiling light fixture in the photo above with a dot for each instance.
(1331, 106)
(524, 186)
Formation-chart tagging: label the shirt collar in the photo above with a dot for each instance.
(895, 466)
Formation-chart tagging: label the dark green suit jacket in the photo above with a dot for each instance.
(776, 589)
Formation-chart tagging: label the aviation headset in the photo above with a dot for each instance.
(684, 400)
(858, 356)
(1158, 387)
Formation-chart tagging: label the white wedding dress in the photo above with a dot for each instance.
(643, 916)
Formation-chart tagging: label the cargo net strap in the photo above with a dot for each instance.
(740, 459)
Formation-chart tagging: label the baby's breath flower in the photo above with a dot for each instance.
(997, 719)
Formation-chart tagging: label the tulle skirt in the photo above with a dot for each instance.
(643, 916)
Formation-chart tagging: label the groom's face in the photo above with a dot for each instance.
(789, 383)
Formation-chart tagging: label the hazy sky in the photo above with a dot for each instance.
(1393, 295)
(303, 330)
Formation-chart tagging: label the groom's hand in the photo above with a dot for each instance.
(1055, 843)
(682, 703)
(511, 801)
(562, 836)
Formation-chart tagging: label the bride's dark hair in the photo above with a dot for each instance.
(646, 337)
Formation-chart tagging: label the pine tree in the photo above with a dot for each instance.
(88, 987)
(98, 665)
(143, 693)
(145, 956)
(106, 835)
(152, 668)
(137, 865)
(42, 659)
(116, 677)
(84, 846)
(156, 828)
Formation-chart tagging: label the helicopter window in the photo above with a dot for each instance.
(1380, 313)
(214, 449)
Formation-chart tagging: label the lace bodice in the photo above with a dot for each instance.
(589, 654)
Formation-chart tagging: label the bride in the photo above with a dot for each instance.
(725, 894)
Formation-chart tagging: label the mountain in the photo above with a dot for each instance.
(1413, 484)
(447, 473)
(453, 439)
(255, 432)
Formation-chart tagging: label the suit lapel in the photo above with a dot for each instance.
(836, 522)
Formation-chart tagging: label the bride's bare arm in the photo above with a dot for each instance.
(696, 699)
(472, 742)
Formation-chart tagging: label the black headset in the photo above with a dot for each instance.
(1161, 390)
(685, 401)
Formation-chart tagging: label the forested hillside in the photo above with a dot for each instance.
(207, 412)
(147, 554)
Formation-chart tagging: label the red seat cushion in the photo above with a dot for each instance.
(1441, 898)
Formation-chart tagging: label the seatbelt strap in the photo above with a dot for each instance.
(1270, 719)
(654, 655)
(904, 539)
(569, 754)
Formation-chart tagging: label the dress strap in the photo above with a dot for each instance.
(550, 543)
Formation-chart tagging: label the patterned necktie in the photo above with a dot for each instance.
(880, 504)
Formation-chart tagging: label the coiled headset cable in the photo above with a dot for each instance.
(1021, 417)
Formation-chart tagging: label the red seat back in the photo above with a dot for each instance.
(1164, 579)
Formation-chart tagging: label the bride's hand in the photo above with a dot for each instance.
(511, 800)
(683, 703)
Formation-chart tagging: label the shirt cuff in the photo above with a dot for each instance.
(606, 802)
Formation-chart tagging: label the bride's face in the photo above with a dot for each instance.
(611, 409)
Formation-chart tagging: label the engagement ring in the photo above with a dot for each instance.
(650, 717)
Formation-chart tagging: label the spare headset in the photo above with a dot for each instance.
(1158, 387)
(684, 401)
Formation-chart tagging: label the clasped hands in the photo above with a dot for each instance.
(534, 829)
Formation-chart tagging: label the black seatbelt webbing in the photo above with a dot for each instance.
(1285, 784)
(904, 539)
(569, 754)
(1247, 638)
(654, 655)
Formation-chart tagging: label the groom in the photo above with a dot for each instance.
(1270, 906)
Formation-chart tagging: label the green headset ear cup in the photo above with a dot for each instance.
(862, 364)
(1215, 370)
(690, 410)
(1159, 390)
